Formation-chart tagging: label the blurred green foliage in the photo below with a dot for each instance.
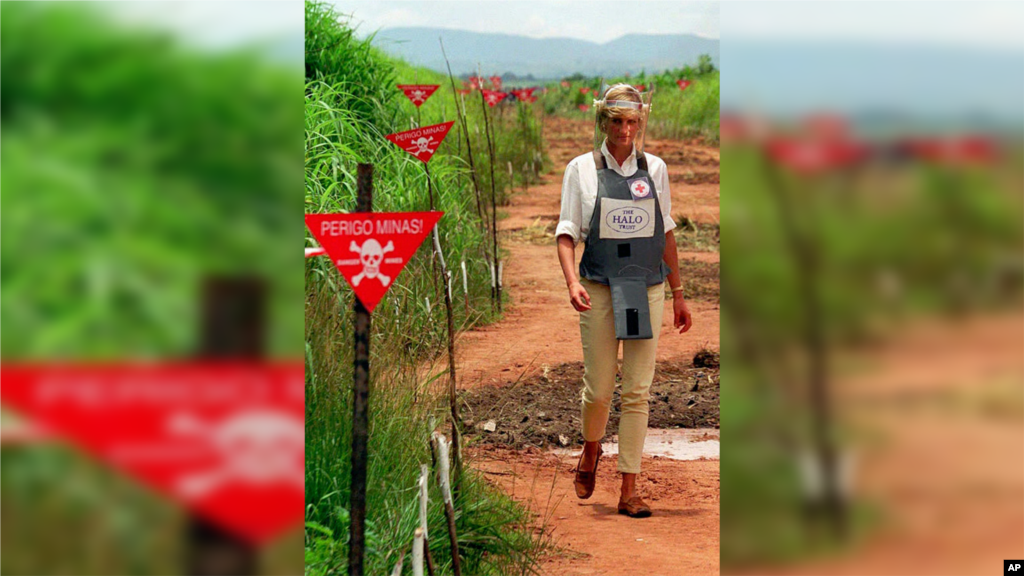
(134, 167)
(883, 243)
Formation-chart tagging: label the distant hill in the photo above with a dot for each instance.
(543, 58)
(876, 83)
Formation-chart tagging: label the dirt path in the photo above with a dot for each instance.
(940, 415)
(541, 328)
(541, 331)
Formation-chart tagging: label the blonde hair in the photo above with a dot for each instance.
(617, 92)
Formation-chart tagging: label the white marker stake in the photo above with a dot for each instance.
(428, 305)
(501, 267)
(424, 474)
(417, 552)
(437, 249)
(449, 274)
(465, 281)
(398, 567)
(491, 267)
(443, 467)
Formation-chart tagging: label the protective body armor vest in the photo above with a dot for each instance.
(626, 244)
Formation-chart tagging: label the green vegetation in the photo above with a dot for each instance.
(133, 168)
(351, 104)
(677, 114)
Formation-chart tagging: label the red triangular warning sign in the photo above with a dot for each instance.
(683, 84)
(225, 439)
(418, 93)
(370, 249)
(493, 97)
(422, 142)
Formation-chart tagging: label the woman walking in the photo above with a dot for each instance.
(616, 199)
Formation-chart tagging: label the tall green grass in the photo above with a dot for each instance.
(351, 104)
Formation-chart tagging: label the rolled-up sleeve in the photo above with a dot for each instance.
(664, 195)
(570, 220)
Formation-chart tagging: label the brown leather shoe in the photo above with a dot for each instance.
(585, 481)
(635, 507)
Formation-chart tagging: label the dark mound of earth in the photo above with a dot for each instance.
(544, 410)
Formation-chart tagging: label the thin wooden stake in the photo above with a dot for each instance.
(446, 495)
(233, 328)
(417, 552)
(494, 200)
(469, 146)
(424, 476)
(360, 401)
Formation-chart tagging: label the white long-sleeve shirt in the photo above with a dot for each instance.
(579, 190)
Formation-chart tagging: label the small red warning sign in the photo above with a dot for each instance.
(584, 90)
(496, 82)
(418, 93)
(422, 142)
(683, 84)
(492, 97)
(524, 94)
(370, 249)
(584, 107)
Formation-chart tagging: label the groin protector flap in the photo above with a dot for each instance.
(630, 307)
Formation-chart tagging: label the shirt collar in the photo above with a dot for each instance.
(628, 167)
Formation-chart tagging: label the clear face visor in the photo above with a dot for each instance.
(605, 106)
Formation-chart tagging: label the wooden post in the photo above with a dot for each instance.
(446, 494)
(424, 478)
(494, 200)
(233, 327)
(469, 146)
(360, 400)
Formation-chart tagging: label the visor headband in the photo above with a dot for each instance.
(620, 104)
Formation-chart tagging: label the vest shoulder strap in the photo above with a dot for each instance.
(599, 160)
(641, 162)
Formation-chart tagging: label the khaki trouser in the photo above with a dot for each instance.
(600, 356)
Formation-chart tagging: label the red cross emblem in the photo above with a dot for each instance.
(640, 189)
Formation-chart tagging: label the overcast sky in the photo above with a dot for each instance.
(216, 24)
(597, 21)
(993, 25)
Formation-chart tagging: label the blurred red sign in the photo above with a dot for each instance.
(814, 155)
(422, 142)
(825, 126)
(583, 107)
(475, 82)
(565, 83)
(968, 149)
(493, 97)
(371, 249)
(524, 94)
(683, 84)
(640, 87)
(496, 82)
(418, 93)
(464, 92)
(584, 90)
(225, 439)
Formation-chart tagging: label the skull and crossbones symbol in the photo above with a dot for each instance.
(492, 98)
(420, 145)
(418, 96)
(370, 255)
(258, 446)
